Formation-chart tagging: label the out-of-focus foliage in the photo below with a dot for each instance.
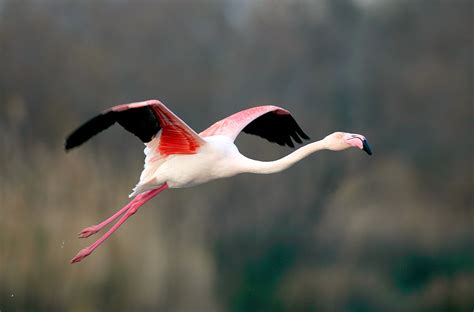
(337, 232)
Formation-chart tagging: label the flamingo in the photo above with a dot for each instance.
(176, 156)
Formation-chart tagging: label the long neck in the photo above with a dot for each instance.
(265, 167)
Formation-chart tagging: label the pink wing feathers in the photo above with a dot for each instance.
(143, 119)
(146, 119)
(231, 126)
(176, 136)
(269, 122)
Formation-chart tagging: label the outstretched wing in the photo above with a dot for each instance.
(269, 122)
(143, 119)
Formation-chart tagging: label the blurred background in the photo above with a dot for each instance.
(336, 232)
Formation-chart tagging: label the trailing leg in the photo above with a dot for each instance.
(132, 208)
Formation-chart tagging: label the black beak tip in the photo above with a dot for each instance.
(366, 147)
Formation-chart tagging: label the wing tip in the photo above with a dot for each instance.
(68, 146)
(69, 143)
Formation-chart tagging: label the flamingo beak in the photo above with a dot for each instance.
(359, 141)
(366, 147)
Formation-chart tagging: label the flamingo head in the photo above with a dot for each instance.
(339, 141)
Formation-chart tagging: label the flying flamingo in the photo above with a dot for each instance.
(177, 157)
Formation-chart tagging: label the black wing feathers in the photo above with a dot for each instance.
(140, 121)
(89, 129)
(278, 128)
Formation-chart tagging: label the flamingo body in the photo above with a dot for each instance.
(184, 170)
(176, 156)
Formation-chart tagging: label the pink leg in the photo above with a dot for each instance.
(132, 209)
(96, 228)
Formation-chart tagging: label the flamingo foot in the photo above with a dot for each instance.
(89, 231)
(81, 255)
(129, 210)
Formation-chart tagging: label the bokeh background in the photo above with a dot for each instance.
(336, 232)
